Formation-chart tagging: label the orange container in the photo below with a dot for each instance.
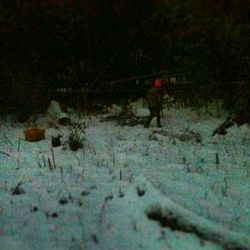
(34, 134)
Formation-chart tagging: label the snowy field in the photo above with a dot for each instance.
(128, 188)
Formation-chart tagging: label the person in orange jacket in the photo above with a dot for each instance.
(154, 100)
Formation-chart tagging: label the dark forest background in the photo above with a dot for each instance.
(88, 44)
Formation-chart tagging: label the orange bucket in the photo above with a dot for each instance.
(34, 134)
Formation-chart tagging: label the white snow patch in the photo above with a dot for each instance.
(97, 197)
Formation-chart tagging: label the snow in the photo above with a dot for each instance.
(98, 197)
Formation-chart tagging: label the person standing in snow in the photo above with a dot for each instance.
(154, 100)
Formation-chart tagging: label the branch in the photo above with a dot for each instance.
(172, 215)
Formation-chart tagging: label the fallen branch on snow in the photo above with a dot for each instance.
(169, 214)
(187, 135)
(181, 219)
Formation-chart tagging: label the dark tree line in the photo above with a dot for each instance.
(77, 43)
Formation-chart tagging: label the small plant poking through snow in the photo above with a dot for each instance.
(76, 135)
(18, 189)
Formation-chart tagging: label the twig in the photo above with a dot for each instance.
(120, 175)
(217, 160)
(130, 178)
(77, 177)
(18, 147)
(5, 136)
(61, 173)
(18, 153)
(106, 200)
(39, 164)
(53, 158)
(225, 188)
(66, 187)
(50, 165)
(44, 162)
(5, 153)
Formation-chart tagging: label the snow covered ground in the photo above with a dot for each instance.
(128, 187)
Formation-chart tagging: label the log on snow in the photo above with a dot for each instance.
(170, 214)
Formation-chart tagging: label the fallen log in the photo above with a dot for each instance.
(180, 219)
(170, 214)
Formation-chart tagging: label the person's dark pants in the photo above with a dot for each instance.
(154, 112)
